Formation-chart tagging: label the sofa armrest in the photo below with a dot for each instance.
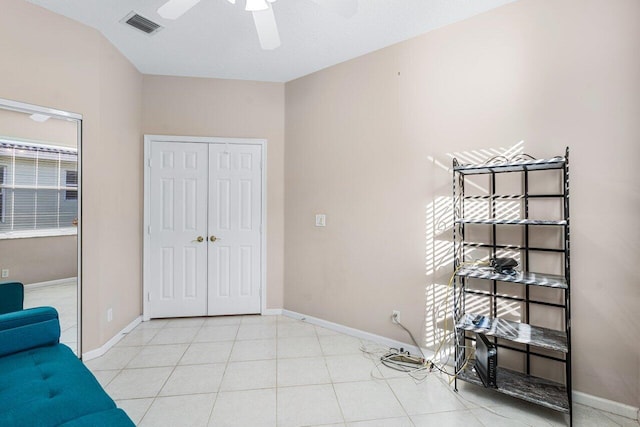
(11, 296)
(27, 329)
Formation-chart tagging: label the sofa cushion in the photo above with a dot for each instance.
(48, 386)
(108, 418)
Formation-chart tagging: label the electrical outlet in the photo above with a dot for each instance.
(395, 316)
(109, 315)
(5, 273)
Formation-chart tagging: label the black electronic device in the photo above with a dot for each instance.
(486, 361)
(504, 265)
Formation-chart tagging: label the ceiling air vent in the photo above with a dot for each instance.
(141, 23)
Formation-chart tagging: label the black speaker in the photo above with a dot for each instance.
(486, 361)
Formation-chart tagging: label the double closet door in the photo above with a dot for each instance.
(204, 215)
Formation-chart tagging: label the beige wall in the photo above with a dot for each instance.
(52, 132)
(112, 233)
(40, 259)
(228, 108)
(53, 61)
(368, 143)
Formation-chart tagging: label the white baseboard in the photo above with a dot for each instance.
(606, 405)
(113, 341)
(610, 406)
(50, 283)
(378, 339)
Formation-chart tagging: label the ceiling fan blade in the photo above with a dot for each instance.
(267, 28)
(346, 8)
(174, 9)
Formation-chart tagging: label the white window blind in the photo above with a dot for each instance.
(38, 189)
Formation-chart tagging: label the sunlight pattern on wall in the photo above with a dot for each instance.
(439, 251)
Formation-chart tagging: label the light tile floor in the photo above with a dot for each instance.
(252, 371)
(64, 298)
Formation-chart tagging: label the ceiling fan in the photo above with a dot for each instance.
(263, 17)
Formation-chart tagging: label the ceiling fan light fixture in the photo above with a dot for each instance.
(256, 5)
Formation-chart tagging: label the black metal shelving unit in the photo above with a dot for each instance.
(480, 290)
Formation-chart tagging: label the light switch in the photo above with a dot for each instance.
(321, 220)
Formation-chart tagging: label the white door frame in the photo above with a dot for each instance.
(148, 140)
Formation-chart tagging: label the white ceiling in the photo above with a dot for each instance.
(218, 39)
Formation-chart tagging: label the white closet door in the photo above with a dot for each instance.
(235, 198)
(178, 217)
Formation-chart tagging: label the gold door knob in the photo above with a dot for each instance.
(200, 239)
(213, 238)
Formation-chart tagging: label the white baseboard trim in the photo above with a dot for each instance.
(378, 339)
(113, 341)
(272, 312)
(606, 405)
(50, 283)
(610, 406)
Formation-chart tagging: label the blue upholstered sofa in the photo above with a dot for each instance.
(42, 383)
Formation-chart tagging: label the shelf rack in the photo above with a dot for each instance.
(529, 340)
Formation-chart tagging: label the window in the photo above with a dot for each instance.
(3, 172)
(71, 182)
(38, 189)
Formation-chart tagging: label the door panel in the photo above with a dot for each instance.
(235, 197)
(178, 193)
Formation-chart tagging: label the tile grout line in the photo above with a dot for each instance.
(155, 398)
(386, 381)
(226, 364)
(462, 400)
(121, 370)
(335, 393)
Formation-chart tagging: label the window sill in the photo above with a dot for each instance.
(50, 232)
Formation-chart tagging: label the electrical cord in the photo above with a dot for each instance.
(418, 369)
(393, 358)
(418, 374)
(382, 356)
(412, 338)
(445, 340)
